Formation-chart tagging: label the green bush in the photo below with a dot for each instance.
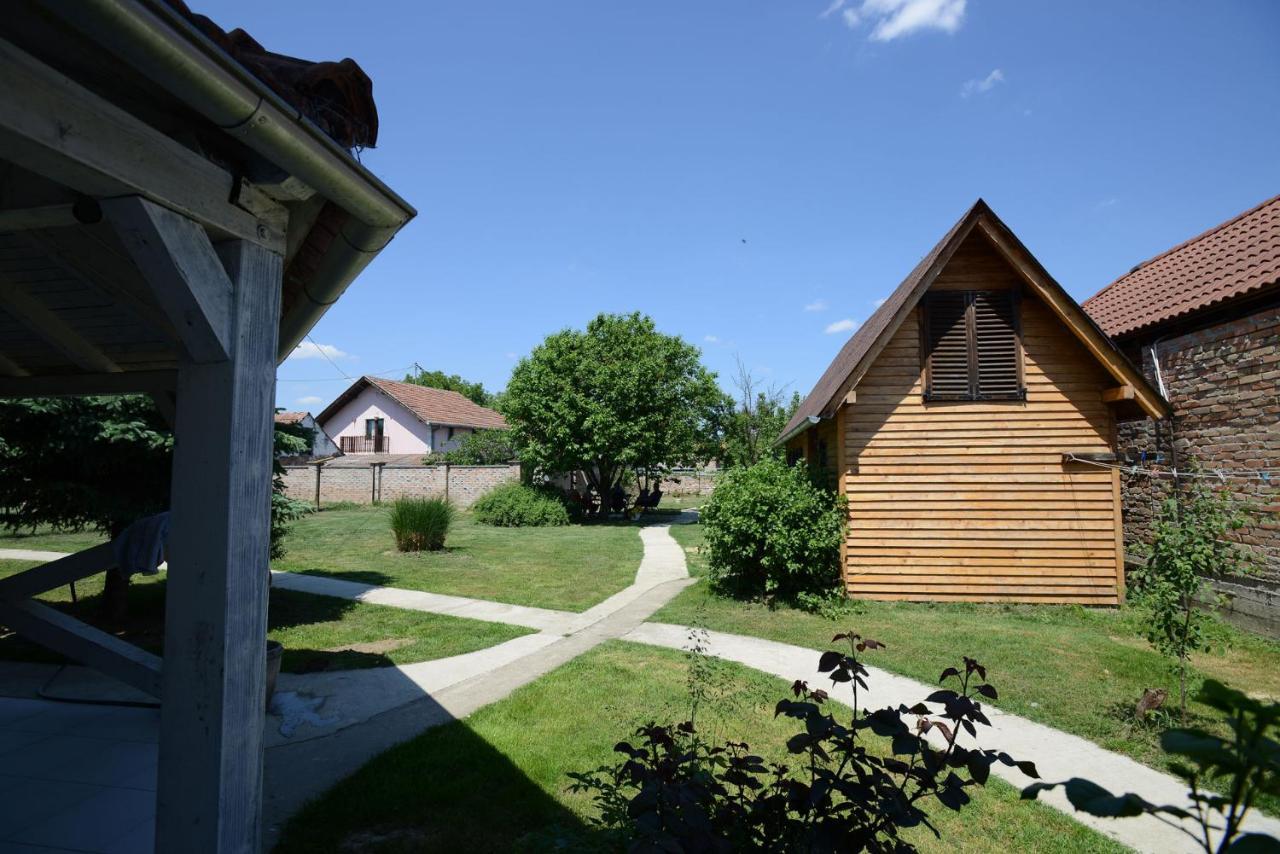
(515, 505)
(771, 532)
(421, 524)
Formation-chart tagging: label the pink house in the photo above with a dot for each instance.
(377, 416)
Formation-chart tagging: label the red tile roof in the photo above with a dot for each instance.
(431, 405)
(290, 417)
(1238, 257)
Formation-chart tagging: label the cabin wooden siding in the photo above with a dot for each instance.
(971, 501)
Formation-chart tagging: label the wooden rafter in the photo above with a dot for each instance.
(35, 316)
(179, 264)
(123, 382)
(44, 216)
(51, 125)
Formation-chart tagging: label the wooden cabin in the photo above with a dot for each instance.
(971, 423)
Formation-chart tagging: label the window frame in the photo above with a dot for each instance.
(1014, 296)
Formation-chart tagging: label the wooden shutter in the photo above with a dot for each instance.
(947, 346)
(995, 333)
(972, 346)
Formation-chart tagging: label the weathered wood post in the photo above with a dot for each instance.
(211, 719)
(318, 467)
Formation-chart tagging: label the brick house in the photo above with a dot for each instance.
(1203, 321)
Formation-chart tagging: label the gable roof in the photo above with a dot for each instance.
(290, 417)
(860, 350)
(430, 405)
(1238, 257)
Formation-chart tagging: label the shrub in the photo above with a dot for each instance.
(673, 791)
(1189, 546)
(770, 531)
(421, 524)
(514, 505)
(481, 448)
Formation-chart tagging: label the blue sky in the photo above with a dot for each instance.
(752, 174)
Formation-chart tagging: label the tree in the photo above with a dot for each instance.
(759, 416)
(100, 463)
(452, 382)
(1189, 545)
(616, 399)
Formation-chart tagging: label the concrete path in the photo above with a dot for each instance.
(29, 554)
(1057, 755)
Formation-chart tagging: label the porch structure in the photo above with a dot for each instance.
(173, 222)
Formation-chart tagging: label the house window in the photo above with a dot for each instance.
(972, 346)
(372, 427)
(450, 434)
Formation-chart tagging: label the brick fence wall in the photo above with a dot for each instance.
(1224, 384)
(386, 483)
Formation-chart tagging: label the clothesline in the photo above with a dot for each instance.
(1221, 474)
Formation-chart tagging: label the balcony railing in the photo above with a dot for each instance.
(365, 444)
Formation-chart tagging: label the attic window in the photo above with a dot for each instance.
(972, 346)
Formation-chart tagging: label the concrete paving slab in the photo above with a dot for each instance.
(1057, 755)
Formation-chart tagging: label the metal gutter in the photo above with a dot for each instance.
(158, 41)
(809, 421)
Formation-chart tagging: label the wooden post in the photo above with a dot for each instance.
(446, 481)
(211, 721)
(318, 467)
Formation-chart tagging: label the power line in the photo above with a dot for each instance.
(326, 357)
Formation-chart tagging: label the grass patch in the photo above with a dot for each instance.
(496, 781)
(318, 632)
(46, 539)
(568, 568)
(682, 502)
(1073, 668)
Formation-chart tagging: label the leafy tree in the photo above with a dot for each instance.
(757, 419)
(481, 448)
(452, 382)
(100, 463)
(617, 398)
(1189, 545)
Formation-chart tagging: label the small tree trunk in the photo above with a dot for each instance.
(115, 596)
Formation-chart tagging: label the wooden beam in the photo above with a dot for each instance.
(53, 126)
(1074, 317)
(1119, 393)
(186, 278)
(211, 719)
(851, 397)
(51, 628)
(56, 573)
(45, 216)
(35, 316)
(124, 382)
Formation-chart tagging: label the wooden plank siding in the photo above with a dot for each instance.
(971, 501)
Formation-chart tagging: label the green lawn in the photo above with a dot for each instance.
(46, 539)
(497, 780)
(569, 568)
(1076, 669)
(682, 502)
(318, 632)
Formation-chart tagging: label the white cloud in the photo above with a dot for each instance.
(310, 400)
(816, 305)
(880, 301)
(893, 18)
(844, 325)
(711, 339)
(977, 87)
(309, 350)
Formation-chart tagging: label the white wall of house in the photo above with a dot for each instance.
(447, 438)
(321, 444)
(406, 433)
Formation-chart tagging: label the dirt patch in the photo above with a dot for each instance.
(378, 647)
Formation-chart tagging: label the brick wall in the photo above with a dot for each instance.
(1224, 384)
(465, 483)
